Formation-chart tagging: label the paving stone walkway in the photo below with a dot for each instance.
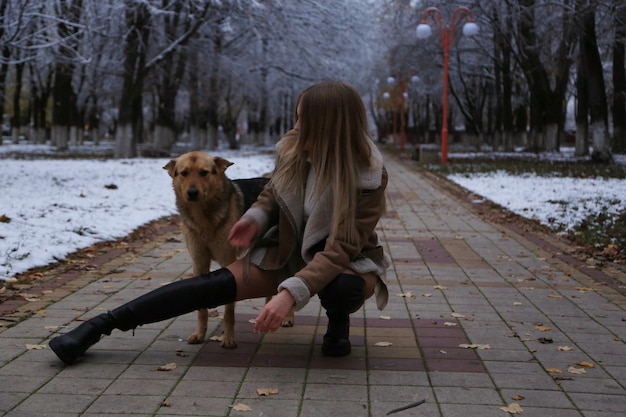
(483, 320)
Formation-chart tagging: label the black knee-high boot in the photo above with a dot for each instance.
(343, 296)
(180, 297)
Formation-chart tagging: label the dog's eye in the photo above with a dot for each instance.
(204, 173)
(184, 173)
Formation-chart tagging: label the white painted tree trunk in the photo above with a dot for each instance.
(581, 147)
(59, 136)
(164, 138)
(551, 137)
(124, 142)
(600, 151)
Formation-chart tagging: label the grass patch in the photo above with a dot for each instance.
(599, 234)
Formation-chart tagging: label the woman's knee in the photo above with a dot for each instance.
(346, 292)
(253, 282)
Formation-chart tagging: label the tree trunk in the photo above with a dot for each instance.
(546, 100)
(130, 115)
(598, 106)
(172, 71)
(619, 80)
(582, 107)
(197, 108)
(64, 97)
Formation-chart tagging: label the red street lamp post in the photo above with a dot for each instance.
(446, 36)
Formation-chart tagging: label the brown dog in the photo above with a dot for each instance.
(209, 203)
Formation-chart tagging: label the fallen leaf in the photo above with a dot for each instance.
(545, 340)
(518, 398)
(35, 347)
(383, 344)
(474, 346)
(167, 367)
(213, 313)
(440, 287)
(407, 294)
(385, 317)
(584, 289)
(554, 371)
(450, 324)
(166, 404)
(427, 295)
(240, 407)
(543, 328)
(565, 348)
(513, 408)
(576, 371)
(266, 391)
(216, 338)
(585, 364)
(517, 303)
(457, 315)
(554, 296)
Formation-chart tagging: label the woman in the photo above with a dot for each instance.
(311, 231)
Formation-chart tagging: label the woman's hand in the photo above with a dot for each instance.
(274, 313)
(243, 233)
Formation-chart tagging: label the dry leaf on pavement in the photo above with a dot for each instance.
(266, 391)
(35, 347)
(513, 408)
(585, 364)
(167, 367)
(543, 328)
(383, 344)
(474, 346)
(407, 294)
(241, 407)
(576, 371)
(565, 348)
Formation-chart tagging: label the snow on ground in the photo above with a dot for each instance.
(50, 208)
(53, 207)
(556, 202)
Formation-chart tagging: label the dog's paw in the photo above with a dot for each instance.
(195, 339)
(288, 322)
(228, 343)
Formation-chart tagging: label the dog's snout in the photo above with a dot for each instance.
(193, 194)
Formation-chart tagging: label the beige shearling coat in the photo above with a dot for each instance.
(292, 246)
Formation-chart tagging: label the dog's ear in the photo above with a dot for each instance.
(171, 168)
(222, 163)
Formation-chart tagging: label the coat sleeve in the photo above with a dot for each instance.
(264, 211)
(335, 257)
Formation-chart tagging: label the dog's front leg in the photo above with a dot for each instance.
(201, 327)
(228, 338)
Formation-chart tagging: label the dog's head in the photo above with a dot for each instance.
(197, 176)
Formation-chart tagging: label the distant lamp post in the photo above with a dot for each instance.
(446, 36)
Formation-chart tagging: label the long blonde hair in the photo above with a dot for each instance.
(333, 138)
